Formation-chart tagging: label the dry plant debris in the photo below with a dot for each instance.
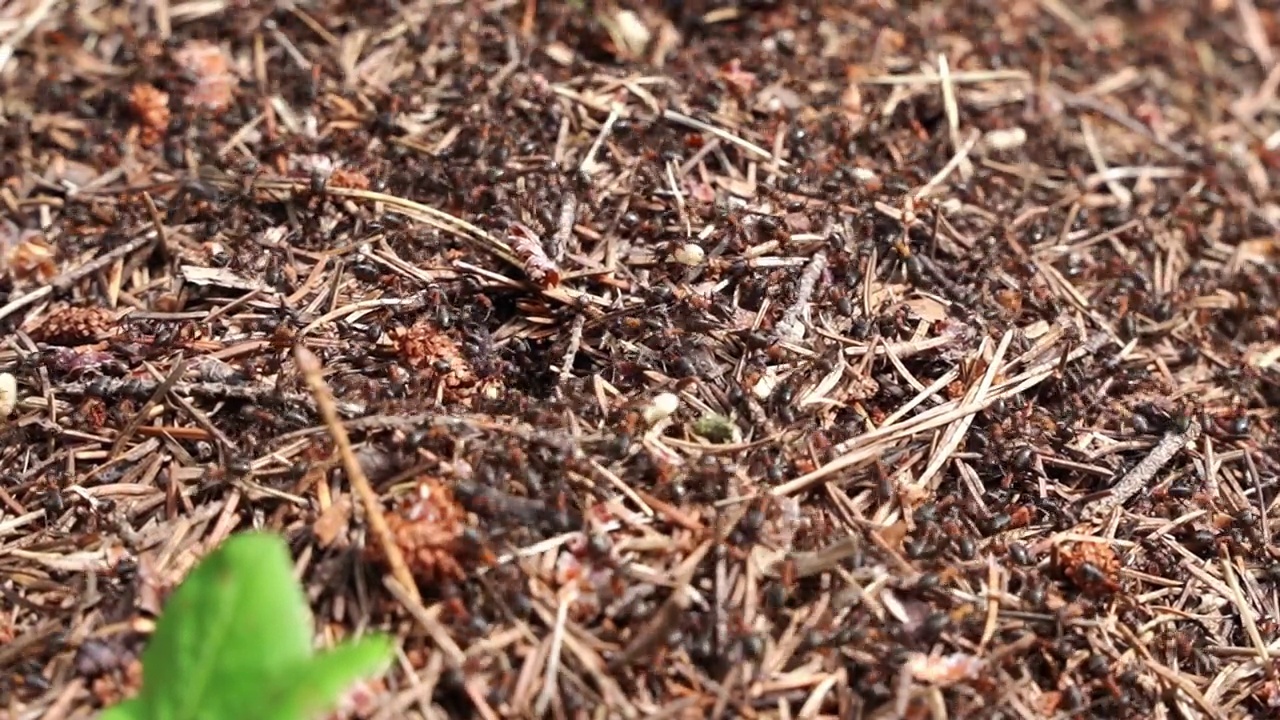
(706, 359)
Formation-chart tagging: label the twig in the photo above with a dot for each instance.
(1068, 16)
(157, 222)
(1141, 475)
(201, 419)
(970, 76)
(789, 327)
(564, 228)
(264, 395)
(16, 646)
(575, 342)
(310, 366)
(589, 160)
(70, 277)
(1255, 35)
(1237, 598)
(179, 367)
(1174, 678)
(960, 158)
(658, 627)
(870, 445)
(725, 135)
(428, 618)
(29, 24)
(956, 432)
(1095, 153)
(1084, 102)
(813, 562)
(549, 684)
(425, 214)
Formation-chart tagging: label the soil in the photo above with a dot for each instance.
(654, 360)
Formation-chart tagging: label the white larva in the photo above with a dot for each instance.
(689, 254)
(661, 407)
(8, 394)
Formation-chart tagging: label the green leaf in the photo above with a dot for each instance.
(234, 643)
(318, 685)
(238, 619)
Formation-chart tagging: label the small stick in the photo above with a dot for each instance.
(1255, 34)
(29, 23)
(961, 157)
(156, 221)
(1095, 153)
(1090, 104)
(1242, 607)
(788, 326)
(564, 228)
(869, 445)
(68, 278)
(1141, 475)
(690, 122)
(201, 419)
(549, 685)
(262, 395)
(970, 76)
(428, 618)
(310, 366)
(179, 367)
(575, 343)
(426, 214)
(818, 561)
(658, 626)
(588, 163)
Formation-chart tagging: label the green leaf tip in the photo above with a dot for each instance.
(234, 642)
(324, 678)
